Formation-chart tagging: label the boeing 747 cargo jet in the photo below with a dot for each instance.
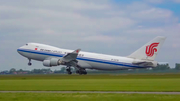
(53, 56)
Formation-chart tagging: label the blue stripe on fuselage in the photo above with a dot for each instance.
(81, 58)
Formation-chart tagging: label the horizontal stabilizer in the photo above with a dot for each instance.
(146, 63)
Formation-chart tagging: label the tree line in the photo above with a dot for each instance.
(62, 70)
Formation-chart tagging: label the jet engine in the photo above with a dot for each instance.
(51, 62)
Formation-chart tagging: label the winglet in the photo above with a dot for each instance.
(77, 51)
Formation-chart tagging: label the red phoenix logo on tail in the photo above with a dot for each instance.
(150, 49)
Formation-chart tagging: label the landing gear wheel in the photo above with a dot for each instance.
(77, 71)
(69, 70)
(69, 73)
(80, 72)
(84, 72)
(29, 64)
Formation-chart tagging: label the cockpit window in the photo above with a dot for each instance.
(26, 44)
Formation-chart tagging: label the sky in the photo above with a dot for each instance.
(114, 27)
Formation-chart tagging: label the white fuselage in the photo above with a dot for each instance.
(86, 60)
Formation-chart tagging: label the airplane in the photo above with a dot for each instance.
(53, 56)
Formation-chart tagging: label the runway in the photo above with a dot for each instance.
(114, 92)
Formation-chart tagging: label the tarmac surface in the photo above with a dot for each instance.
(117, 92)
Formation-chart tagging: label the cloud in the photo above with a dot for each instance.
(99, 38)
(156, 31)
(153, 13)
(161, 1)
(177, 1)
(155, 1)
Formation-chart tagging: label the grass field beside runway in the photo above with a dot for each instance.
(156, 82)
(95, 76)
(85, 97)
(92, 85)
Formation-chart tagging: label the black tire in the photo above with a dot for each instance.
(69, 73)
(80, 73)
(68, 70)
(77, 72)
(29, 64)
(85, 73)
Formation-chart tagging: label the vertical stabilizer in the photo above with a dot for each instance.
(150, 50)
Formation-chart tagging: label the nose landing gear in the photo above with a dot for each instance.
(29, 63)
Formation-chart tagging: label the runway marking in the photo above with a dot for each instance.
(105, 92)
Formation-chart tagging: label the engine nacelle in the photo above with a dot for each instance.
(51, 62)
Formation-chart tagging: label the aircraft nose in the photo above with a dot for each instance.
(19, 50)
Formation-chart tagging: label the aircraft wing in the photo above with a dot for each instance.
(71, 56)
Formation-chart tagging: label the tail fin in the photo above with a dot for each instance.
(150, 50)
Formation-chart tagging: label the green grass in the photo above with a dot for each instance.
(85, 97)
(92, 85)
(110, 76)
(155, 82)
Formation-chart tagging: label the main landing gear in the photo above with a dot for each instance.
(68, 69)
(81, 71)
(29, 63)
